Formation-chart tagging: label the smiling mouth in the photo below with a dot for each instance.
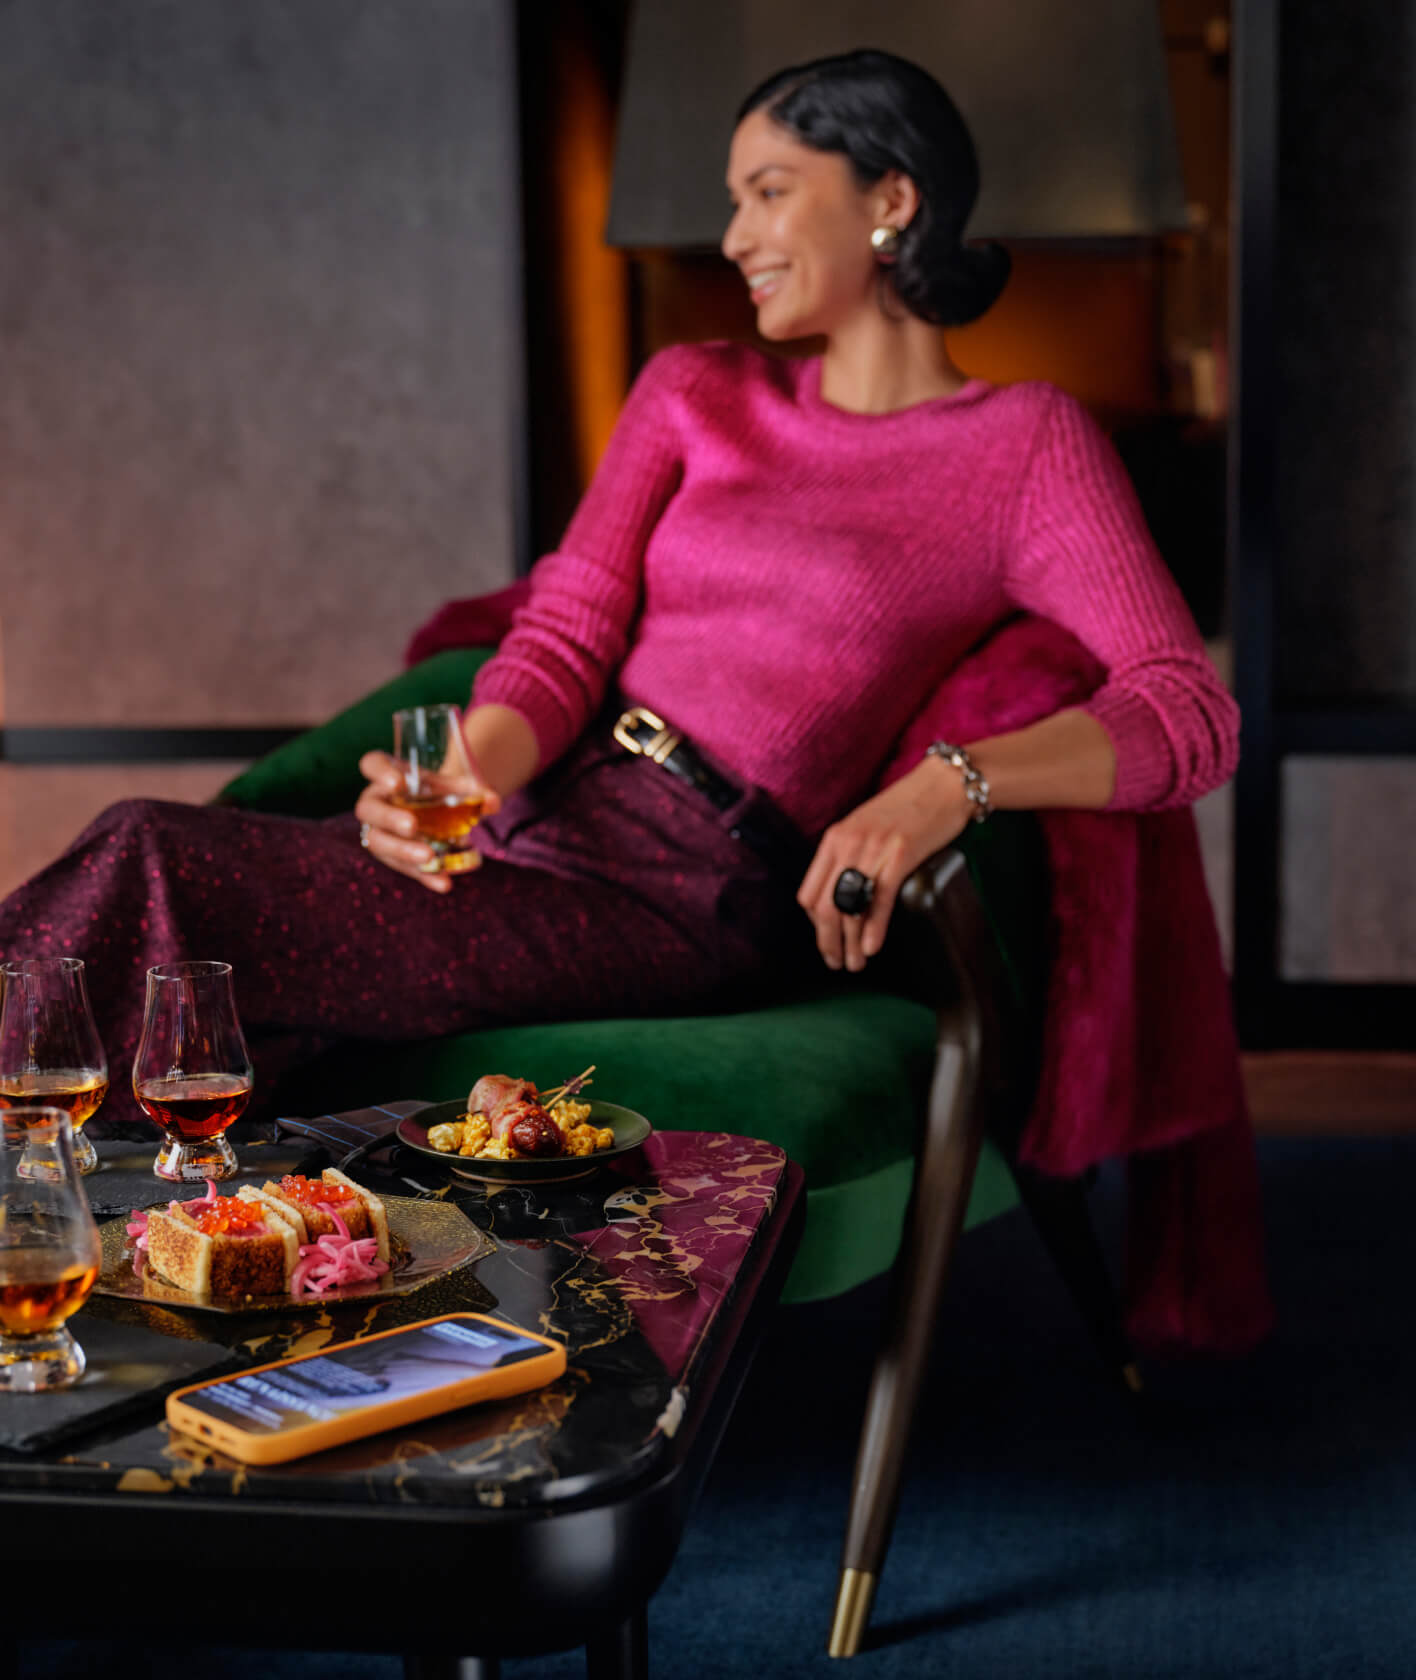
(764, 282)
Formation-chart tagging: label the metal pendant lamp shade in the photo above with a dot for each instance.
(1067, 100)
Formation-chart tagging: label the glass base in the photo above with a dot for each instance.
(182, 1162)
(48, 1359)
(448, 860)
(85, 1155)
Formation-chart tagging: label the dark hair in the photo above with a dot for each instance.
(883, 113)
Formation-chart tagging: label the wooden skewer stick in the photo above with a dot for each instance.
(563, 1093)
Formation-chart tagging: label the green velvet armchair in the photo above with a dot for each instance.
(902, 1102)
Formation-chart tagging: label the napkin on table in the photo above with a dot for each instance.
(341, 1133)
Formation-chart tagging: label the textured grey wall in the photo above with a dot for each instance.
(1348, 898)
(260, 347)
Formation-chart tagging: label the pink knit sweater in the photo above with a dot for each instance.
(786, 582)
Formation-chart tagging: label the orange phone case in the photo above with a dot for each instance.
(374, 1418)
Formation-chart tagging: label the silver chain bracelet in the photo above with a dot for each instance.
(975, 782)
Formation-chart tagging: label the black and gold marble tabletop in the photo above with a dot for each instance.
(629, 1268)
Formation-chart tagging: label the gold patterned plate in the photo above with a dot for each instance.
(630, 1131)
(427, 1240)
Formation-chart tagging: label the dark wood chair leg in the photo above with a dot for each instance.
(943, 1178)
(439, 1667)
(622, 1652)
(976, 1087)
(968, 1092)
(1058, 1207)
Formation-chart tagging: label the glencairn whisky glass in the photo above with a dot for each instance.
(192, 1075)
(439, 787)
(50, 1053)
(49, 1250)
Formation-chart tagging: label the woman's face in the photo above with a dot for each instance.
(800, 231)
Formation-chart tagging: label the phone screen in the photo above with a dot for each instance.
(322, 1387)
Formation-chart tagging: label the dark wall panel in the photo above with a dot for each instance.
(260, 347)
(1345, 301)
(1324, 523)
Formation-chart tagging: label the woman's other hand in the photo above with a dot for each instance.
(886, 839)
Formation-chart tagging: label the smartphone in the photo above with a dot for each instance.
(316, 1400)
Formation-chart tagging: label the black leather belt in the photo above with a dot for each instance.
(645, 734)
(760, 825)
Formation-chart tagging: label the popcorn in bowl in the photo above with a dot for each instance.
(509, 1120)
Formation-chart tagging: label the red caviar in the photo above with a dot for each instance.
(315, 1190)
(229, 1215)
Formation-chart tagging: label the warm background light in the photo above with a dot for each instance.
(1123, 326)
(592, 279)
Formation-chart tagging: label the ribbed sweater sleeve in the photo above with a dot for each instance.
(1083, 557)
(554, 665)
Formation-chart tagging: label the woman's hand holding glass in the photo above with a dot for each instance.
(424, 801)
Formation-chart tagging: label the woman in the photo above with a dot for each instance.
(948, 504)
(776, 564)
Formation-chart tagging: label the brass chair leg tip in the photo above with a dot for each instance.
(1131, 1376)
(854, 1597)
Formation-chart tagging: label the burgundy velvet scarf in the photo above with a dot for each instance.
(1140, 1057)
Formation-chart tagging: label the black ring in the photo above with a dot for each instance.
(853, 892)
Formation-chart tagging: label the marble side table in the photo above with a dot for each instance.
(531, 1525)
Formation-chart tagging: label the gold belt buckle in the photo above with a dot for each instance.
(663, 743)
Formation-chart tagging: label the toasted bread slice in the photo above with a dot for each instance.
(290, 1244)
(378, 1216)
(278, 1207)
(255, 1265)
(177, 1249)
(354, 1213)
(226, 1263)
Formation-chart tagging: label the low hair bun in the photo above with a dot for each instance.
(952, 286)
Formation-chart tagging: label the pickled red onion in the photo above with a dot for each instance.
(335, 1261)
(138, 1220)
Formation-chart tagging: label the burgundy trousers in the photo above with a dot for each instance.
(609, 888)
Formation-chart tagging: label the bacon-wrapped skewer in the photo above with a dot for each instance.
(495, 1091)
(512, 1108)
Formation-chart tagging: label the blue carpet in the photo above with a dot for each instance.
(1258, 1519)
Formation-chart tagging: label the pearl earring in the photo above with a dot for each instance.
(885, 242)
